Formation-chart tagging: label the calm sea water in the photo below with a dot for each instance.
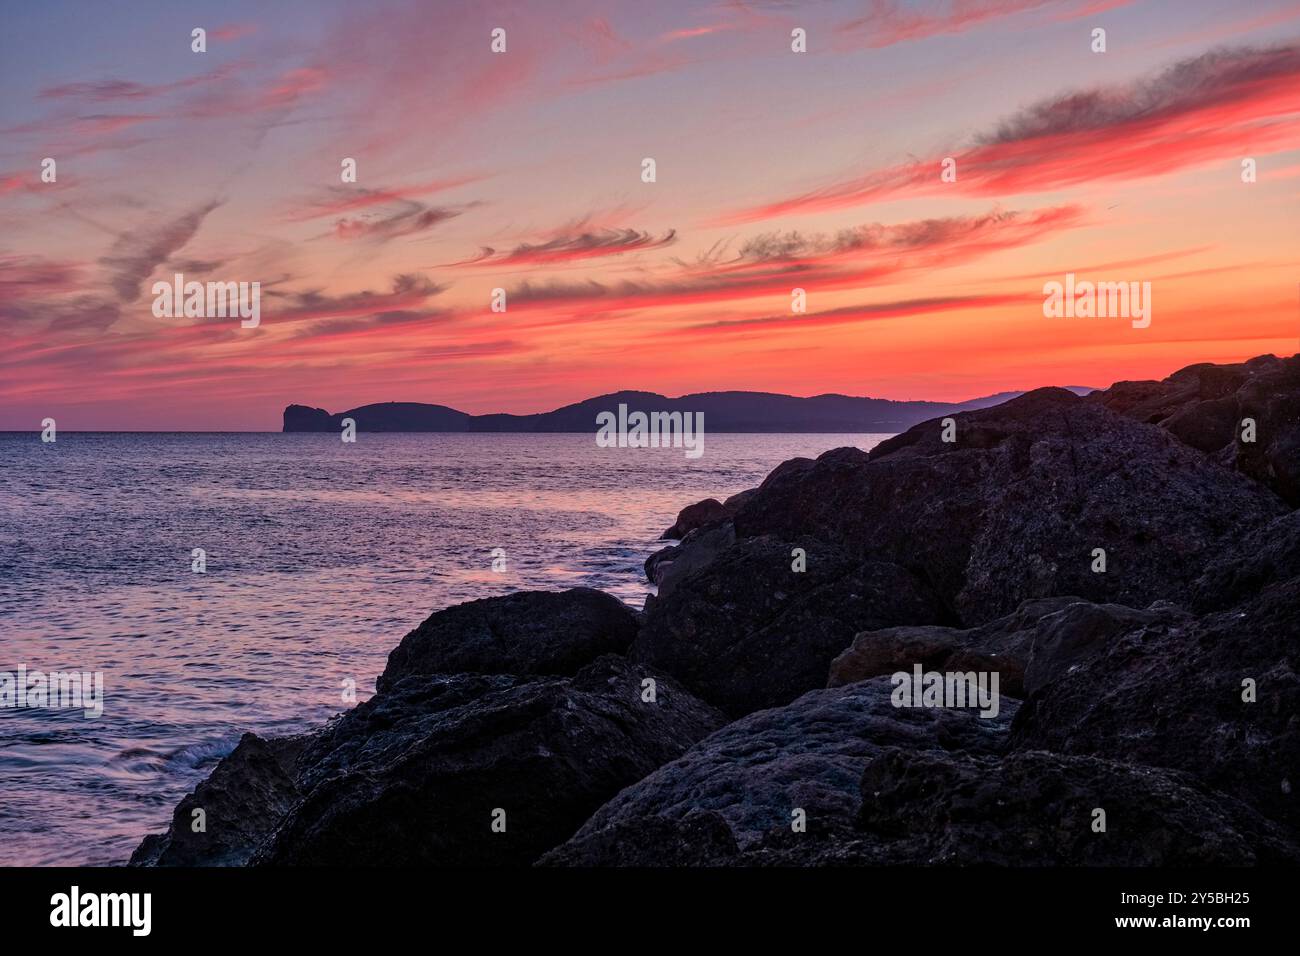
(320, 557)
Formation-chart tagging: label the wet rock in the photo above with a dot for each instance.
(696, 516)
(529, 632)
(243, 799)
(414, 775)
(698, 549)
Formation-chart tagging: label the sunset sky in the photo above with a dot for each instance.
(522, 170)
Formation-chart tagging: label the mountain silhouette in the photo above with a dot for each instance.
(723, 412)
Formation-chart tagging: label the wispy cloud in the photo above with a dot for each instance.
(572, 248)
(776, 262)
(888, 22)
(134, 256)
(408, 220)
(338, 200)
(1198, 110)
(863, 313)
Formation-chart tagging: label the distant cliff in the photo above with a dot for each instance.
(723, 412)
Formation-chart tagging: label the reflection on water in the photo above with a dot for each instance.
(320, 557)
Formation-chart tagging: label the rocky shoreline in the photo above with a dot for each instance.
(1126, 563)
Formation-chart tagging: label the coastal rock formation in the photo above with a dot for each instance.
(1160, 683)
(529, 632)
(303, 418)
(241, 803)
(698, 549)
(1018, 504)
(744, 632)
(419, 773)
(754, 773)
(1206, 406)
(1002, 645)
(925, 805)
(696, 516)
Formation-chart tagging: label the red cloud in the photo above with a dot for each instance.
(776, 263)
(573, 248)
(344, 199)
(861, 313)
(1199, 110)
(232, 31)
(889, 22)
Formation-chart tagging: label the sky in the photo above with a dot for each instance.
(523, 171)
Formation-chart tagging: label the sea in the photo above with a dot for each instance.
(317, 557)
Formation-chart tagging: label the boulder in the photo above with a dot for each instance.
(747, 631)
(529, 632)
(1042, 640)
(417, 774)
(696, 516)
(698, 549)
(243, 799)
(752, 775)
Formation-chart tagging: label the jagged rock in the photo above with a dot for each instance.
(752, 774)
(243, 799)
(696, 516)
(746, 631)
(414, 775)
(304, 418)
(1205, 406)
(529, 632)
(1170, 694)
(1014, 507)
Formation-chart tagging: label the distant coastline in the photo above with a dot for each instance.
(739, 412)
